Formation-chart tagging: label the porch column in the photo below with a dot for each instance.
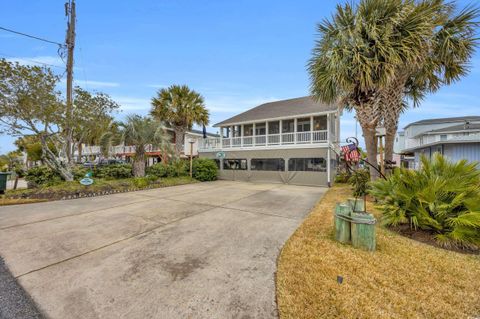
(253, 135)
(221, 137)
(329, 182)
(266, 133)
(280, 132)
(328, 129)
(295, 131)
(241, 135)
(311, 129)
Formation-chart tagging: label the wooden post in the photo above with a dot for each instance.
(382, 164)
(191, 157)
(70, 42)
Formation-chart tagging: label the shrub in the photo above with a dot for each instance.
(342, 177)
(42, 176)
(115, 171)
(359, 180)
(158, 170)
(441, 196)
(141, 182)
(79, 172)
(204, 169)
(177, 168)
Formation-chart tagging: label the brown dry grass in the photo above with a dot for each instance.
(401, 279)
(15, 201)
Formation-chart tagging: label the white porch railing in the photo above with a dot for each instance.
(299, 138)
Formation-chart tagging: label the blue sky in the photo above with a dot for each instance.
(237, 54)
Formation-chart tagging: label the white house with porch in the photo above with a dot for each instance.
(292, 141)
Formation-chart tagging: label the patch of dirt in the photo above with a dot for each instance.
(428, 237)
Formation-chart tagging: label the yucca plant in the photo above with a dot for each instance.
(442, 196)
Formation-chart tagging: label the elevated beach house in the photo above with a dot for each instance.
(456, 138)
(291, 141)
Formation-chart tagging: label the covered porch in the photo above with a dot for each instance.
(289, 132)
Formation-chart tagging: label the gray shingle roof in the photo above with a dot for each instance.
(459, 127)
(283, 108)
(445, 120)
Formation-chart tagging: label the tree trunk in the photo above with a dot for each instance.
(139, 162)
(372, 151)
(179, 139)
(80, 149)
(54, 162)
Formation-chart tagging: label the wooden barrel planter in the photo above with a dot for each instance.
(353, 224)
(342, 223)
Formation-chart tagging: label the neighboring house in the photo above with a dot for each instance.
(292, 141)
(93, 152)
(456, 138)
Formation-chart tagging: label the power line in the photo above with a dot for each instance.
(33, 61)
(32, 36)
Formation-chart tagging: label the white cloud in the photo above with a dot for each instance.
(128, 103)
(39, 60)
(93, 84)
(229, 104)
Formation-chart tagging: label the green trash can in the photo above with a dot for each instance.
(363, 231)
(3, 181)
(342, 223)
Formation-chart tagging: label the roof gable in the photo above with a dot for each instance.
(283, 108)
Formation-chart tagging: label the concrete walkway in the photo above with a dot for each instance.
(194, 251)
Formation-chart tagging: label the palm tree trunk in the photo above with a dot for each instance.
(139, 162)
(368, 115)
(80, 149)
(179, 139)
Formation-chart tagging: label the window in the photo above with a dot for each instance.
(274, 127)
(235, 164)
(443, 137)
(288, 126)
(217, 162)
(319, 123)
(267, 164)
(317, 164)
(303, 125)
(260, 129)
(248, 130)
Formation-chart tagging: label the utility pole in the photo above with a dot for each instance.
(70, 43)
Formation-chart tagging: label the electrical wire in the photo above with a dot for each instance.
(33, 61)
(31, 36)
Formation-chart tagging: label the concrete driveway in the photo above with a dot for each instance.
(204, 250)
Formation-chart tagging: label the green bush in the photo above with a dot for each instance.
(42, 176)
(359, 180)
(115, 171)
(158, 170)
(342, 177)
(141, 182)
(177, 168)
(79, 172)
(204, 169)
(442, 197)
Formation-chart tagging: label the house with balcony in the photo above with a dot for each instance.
(292, 141)
(456, 138)
(153, 154)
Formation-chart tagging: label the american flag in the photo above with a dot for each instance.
(351, 153)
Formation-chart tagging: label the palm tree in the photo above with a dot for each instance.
(140, 132)
(451, 47)
(181, 108)
(366, 53)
